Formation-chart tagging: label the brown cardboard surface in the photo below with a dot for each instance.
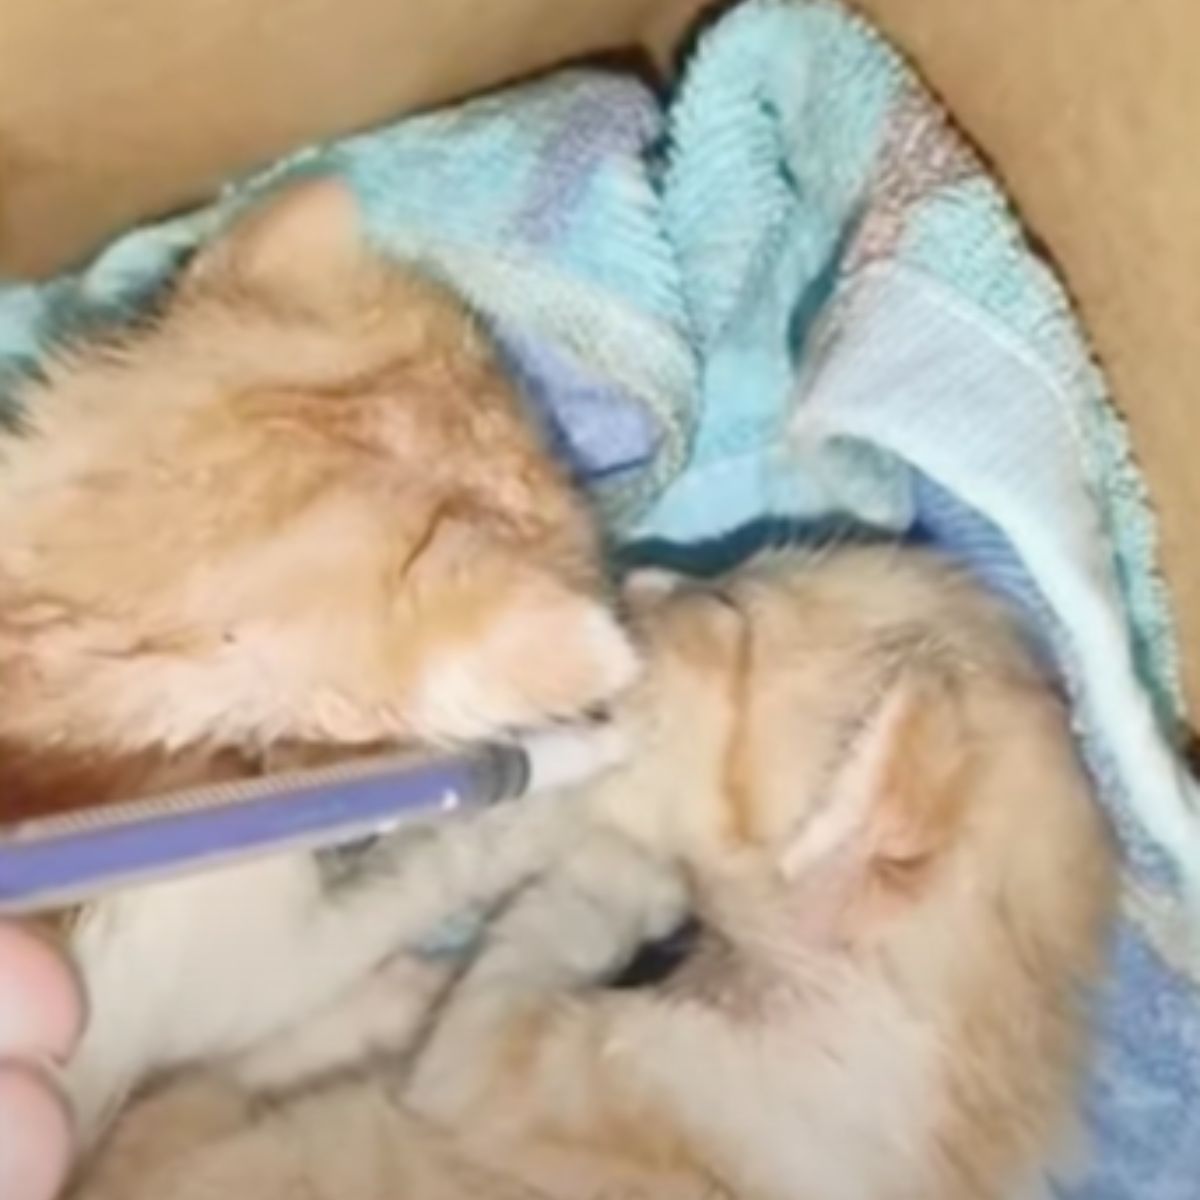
(1088, 108)
(111, 111)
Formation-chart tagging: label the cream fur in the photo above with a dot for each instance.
(873, 799)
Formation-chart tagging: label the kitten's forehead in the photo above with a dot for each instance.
(800, 646)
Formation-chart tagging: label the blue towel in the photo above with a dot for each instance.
(537, 206)
(794, 293)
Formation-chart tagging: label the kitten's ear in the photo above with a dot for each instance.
(299, 242)
(894, 799)
(507, 644)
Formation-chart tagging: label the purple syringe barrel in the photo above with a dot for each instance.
(56, 861)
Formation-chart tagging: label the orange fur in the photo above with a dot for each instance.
(888, 997)
(281, 508)
(301, 506)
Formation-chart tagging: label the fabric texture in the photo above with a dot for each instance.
(796, 294)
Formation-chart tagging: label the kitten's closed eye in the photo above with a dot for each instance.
(658, 960)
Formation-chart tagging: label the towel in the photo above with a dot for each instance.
(795, 292)
(536, 206)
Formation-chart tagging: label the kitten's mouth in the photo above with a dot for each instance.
(561, 756)
(656, 961)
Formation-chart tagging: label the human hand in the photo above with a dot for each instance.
(41, 1016)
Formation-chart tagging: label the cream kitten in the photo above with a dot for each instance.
(301, 508)
(904, 887)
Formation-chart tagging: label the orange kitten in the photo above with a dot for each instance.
(904, 888)
(301, 505)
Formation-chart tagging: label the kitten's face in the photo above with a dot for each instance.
(868, 704)
(305, 503)
(753, 686)
(899, 867)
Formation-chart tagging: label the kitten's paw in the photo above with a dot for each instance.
(382, 1015)
(590, 915)
(647, 895)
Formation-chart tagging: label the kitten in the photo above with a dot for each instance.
(302, 507)
(904, 886)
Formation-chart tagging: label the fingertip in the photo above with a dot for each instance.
(42, 1009)
(38, 1134)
